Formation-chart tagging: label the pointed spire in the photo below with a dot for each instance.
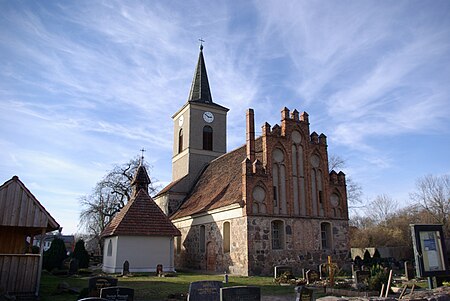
(141, 180)
(200, 91)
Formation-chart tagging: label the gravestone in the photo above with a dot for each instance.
(323, 271)
(159, 270)
(280, 269)
(312, 276)
(304, 294)
(99, 282)
(240, 293)
(204, 291)
(126, 268)
(73, 266)
(361, 277)
(409, 271)
(117, 293)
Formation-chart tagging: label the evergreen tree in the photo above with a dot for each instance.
(81, 254)
(55, 255)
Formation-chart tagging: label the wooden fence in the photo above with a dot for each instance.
(19, 273)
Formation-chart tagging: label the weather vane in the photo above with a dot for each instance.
(201, 43)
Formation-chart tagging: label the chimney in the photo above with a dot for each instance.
(250, 135)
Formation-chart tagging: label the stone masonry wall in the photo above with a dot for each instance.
(302, 244)
(213, 257)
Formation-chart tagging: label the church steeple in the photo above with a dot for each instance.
(200, 91)
(141, 179)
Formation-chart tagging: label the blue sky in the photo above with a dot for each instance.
(85, 85)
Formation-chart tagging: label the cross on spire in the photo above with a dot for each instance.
(142, 155)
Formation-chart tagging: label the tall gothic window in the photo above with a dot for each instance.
(207, 138)
(202, 239)
(317, 187)
(109, 252)
(178, 244)
(298, 174)
(277, 228)
(180, 141)
(279, 182)
(226, 237)
(325, 233)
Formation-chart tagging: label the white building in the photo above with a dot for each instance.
(140, 233)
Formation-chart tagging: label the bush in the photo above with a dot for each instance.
(378, 277)
(81, 254)
(55, 255)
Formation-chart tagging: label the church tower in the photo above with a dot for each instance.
(200, 129)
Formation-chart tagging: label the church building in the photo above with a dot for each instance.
(269, 202)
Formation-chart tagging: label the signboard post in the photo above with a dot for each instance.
(429, 251)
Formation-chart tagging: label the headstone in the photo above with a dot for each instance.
(304, 294)
(312, 276)
(240, 293)
(280, 269)
(117, 293)
(361, 277)
(73, 266)
(204, 291)
(304, 273)
(323, 273)
(409, 271)
(126, 268)
(159, 270)
(99, 282)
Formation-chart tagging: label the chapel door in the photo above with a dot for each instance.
(210, 257)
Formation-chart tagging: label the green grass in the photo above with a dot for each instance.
(149, 287)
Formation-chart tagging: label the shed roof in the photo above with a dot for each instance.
(20, 208)
(141, 217)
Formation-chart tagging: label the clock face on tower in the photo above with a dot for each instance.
(208, 117)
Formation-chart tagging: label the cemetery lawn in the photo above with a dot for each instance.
(151, 288)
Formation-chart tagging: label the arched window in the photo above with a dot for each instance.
(277, 229)
(202, 239)
(226, 237)
(207, 138)
(279, 182)
(298, 174)
(180, 141)
(109, 252)
(178, 244)
(317, 187)
(325, 233)
(259, 200)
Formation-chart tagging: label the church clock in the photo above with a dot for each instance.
(208, 117)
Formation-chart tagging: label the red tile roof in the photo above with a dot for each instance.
(141, 217)
(218, 186)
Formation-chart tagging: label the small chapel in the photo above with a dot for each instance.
(139, 229)
(270, 202)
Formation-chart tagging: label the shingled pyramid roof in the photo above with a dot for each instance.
(141, 217)
(200, 91)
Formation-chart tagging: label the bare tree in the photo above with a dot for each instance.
(354, 189)
(382, 208)
(433, 195)
(107, 198)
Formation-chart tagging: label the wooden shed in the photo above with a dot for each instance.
(21, 218)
